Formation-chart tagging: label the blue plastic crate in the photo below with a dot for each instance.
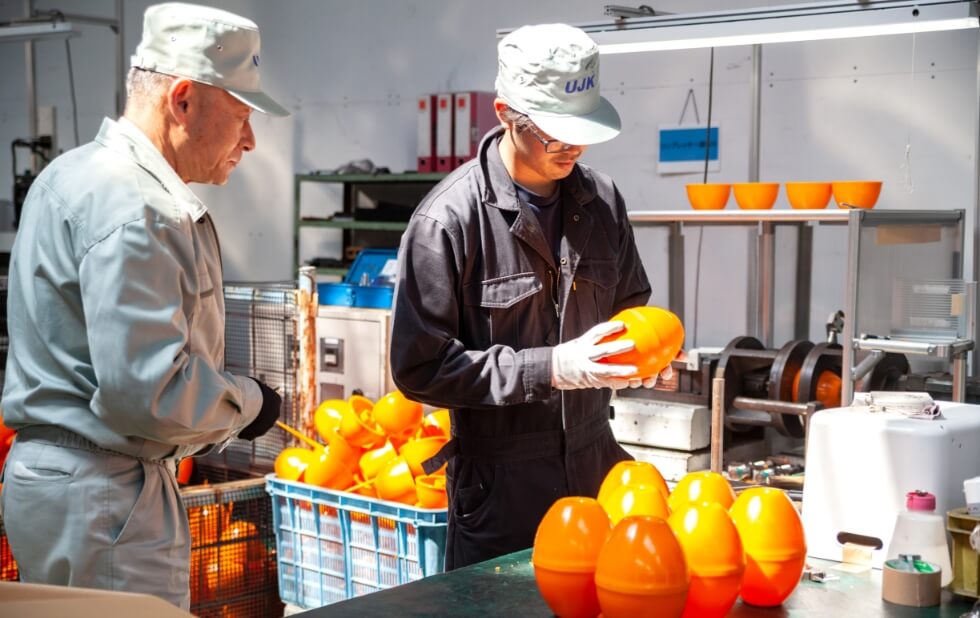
(332, 545)
(370, 281)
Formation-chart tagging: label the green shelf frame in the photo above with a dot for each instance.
(350, 182)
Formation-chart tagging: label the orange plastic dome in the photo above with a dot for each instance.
(775, 547)
(702, 486)
(756, 195)
(329, 470)
(566, 547)
(708, 196)
(326, 417)
(642, 566)
(435, 424)
(657, 334)
(635, 499)
(395, 482)
(371, 462)
(292, 461)
(632, 472)
(828, 389)
(360, 403)
(431, 489)
(343, 450)
(857, 193)
(417, 451)
(808, 195)
(357, 426)
(714, 555)
(398, 415)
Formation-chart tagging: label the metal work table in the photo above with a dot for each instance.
(505, 587)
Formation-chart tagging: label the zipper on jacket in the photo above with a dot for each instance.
(554, 294)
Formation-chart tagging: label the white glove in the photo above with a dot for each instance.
(573, 363)
(666, 373)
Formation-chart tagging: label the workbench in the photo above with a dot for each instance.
(505, 587)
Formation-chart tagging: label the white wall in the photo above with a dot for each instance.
(351, 71)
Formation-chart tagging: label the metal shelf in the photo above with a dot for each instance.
(352, 183)
(352, 224)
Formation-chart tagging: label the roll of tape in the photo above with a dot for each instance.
(910, 587)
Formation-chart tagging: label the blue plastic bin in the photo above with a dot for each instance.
(370, 281)
(333, 545)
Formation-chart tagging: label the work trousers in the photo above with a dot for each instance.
(78, 515)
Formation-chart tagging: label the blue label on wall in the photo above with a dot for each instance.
(687, 144)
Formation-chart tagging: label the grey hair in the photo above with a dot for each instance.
(144, 86)
(520, 121)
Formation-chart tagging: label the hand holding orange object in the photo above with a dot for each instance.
(657, 335)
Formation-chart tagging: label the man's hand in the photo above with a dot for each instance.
(268, 415)
(665, 374)
(573, 363)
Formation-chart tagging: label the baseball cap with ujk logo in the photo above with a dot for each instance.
(206, 45)
(550, 72)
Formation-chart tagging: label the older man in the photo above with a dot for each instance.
(116, 318)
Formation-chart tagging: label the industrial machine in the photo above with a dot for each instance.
(776, 388)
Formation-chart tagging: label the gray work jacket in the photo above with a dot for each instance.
(480, 301)
(115, 306)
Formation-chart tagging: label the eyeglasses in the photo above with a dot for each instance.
(551, 146)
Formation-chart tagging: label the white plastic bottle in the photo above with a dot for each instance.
(920, 531)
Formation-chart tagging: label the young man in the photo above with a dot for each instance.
(509, 270)
(116, 318)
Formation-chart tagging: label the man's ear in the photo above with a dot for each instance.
(499, 107)
(180, 99)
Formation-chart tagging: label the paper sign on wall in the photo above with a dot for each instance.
(682, 149)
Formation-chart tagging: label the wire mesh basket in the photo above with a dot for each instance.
(261, 340)
(8, 566)
(233, 547)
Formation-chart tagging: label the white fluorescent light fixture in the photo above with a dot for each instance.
(802, 22)
(32, 31)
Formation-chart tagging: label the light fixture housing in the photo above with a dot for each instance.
(780, 24)
(32, 31)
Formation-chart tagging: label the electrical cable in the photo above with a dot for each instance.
(71, 88)
(707, 153)
(906, 165)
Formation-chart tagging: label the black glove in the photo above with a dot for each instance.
(268, 415)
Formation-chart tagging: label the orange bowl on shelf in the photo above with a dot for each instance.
(856, 193)
(708, 196)
(808, 195)
(756, 195)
